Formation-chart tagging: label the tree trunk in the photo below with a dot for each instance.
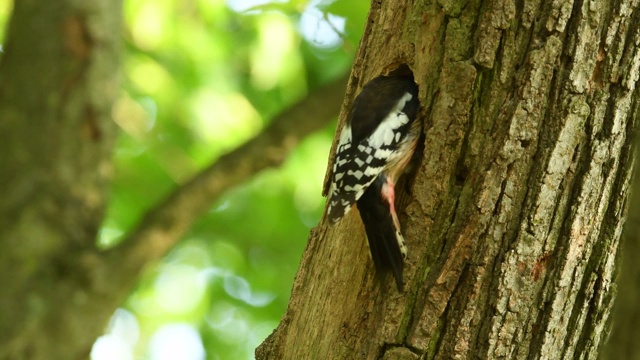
(58, 81)
(514, 216)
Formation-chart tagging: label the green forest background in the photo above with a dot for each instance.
(199, 78)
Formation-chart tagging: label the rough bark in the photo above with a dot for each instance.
(58, 81)
(514, 216)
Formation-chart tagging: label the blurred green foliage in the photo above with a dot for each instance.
(200, 77)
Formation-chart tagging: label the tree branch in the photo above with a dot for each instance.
(163, 226)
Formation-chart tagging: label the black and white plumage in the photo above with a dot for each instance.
(375, 146)
(386, 244)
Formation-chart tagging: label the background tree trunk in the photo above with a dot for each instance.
(514, 216)
(58, 83)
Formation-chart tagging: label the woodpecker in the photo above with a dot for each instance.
(376, 144)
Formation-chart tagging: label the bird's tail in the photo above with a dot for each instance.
(383, 231)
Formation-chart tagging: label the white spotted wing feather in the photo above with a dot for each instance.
(357, 165)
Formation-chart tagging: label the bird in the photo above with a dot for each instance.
(375, 146)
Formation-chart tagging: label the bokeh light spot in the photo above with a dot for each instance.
(119, 340)
(322, 29)
(178, 289)
(224, 120)
(272, 59)
(176, 341)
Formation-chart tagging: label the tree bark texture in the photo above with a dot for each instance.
(58, 80)
(513, 217)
